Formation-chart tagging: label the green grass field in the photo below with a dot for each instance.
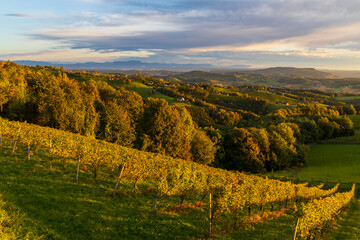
(347, 98)
(273, 107)
(142, 90)
(348, 226)
(271, 97)
(334, 162)
(356, 120)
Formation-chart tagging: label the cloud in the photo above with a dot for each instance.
(213, 30)
(191, 24)
(22, 15)
(78, 55)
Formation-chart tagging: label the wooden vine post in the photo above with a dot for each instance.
(77, 169)
(95, 171)
(28, 152)
(16, 140)
(118, 179)
(296, 227)
(155, 204)
(210, 222)
(50, 152)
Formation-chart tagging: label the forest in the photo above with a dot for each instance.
(223, 126)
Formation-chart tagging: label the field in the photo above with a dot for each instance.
(334, 162)
(347, 98)
(142, 90)
(271, 97)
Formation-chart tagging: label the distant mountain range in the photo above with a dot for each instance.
(120, 65)
(293, 72)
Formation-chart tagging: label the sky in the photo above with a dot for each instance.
(324, 34)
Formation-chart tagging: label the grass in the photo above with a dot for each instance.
(349, 98)
(225, 90)
(348, 226)
(332, 162)
(344, 140)
(281, 228)
(143, 90)
(11, 222)
(272, 107)
(271, 97)
(55, 207)
(356, 120)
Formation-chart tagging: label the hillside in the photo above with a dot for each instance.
(293, 72)
(49, 183)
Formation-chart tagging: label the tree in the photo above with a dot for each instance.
(202, 148)
(242, 151)
(283, 145)
(117, 125)
(261, 136)
(162, 130)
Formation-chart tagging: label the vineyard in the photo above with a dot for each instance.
(236, 197)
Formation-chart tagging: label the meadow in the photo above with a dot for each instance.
(143, 90)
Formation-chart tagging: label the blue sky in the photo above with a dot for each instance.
(245, 33)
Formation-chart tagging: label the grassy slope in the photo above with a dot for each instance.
(57, 208)
(142, 90)
(356, 120)
(332, 162)
(271, 97)
(347, 98)
(348, 226)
